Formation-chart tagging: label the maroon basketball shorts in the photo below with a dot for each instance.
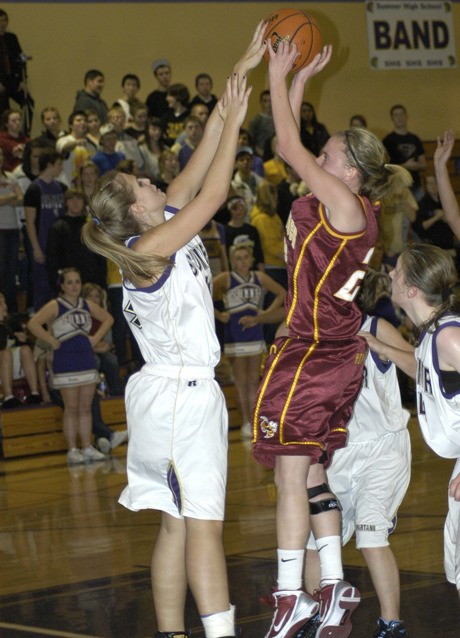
(306, 398)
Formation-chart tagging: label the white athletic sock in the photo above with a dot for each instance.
(290, 568)
(220, 624)
(330, 558)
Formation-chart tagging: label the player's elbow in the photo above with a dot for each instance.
(288, 148)
(212, 198)
(282, 148)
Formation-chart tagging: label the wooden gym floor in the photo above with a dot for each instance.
(75, 563)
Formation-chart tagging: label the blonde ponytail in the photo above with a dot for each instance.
(112, 224)
(366, 152)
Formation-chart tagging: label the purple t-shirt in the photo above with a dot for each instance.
(48, 201)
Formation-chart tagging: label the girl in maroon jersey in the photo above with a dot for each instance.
(313, 373)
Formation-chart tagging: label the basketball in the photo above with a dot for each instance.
(297, 27)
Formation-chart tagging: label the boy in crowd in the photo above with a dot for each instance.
(107, 159)
(204, 94)
(90, 96)
(193, 130)
(173, 121)
(156, 100)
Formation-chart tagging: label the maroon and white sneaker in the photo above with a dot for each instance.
(292, 610)
(336, 604)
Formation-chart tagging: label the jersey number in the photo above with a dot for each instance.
(350, 289)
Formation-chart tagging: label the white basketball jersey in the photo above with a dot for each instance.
(378, 409)
(173, 320)
(438, 410)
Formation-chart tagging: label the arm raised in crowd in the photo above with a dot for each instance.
(447, 196)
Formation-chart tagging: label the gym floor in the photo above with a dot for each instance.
(75, 563)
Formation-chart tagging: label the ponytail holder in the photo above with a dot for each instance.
(96, 220)
(446, 294)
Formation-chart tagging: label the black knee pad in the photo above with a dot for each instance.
(324, 505)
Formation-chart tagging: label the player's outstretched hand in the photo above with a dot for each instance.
(234, 102)
(444, 148)
(253, 54)
(316, 65)
(282, 60)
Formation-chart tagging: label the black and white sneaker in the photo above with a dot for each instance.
(391, 629)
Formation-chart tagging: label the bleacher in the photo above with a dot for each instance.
(38, 430)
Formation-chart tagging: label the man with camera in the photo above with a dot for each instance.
(13, 76)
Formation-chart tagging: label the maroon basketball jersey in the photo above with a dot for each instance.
(325, 269)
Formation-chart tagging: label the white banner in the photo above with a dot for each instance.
(411, 35)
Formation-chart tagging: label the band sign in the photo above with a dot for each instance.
(411, 35)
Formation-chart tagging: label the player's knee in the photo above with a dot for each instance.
(321, 499)
(288, 480)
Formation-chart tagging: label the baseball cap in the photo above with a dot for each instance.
(106, 128)
(244, 150)
(160, 62)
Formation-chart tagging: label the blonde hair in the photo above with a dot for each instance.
(88, 164)
(366, 153)
(82, 169)
(236, 247)
(88, 288)
(113, 223)
(267, 197)
(393, 197)
(165, 154)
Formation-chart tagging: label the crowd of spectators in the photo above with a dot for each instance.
(46, 184)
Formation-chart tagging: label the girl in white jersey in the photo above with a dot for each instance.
(370, 476)
(177, 421)
(422, 286)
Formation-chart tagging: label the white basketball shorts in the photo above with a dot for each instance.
(178, 441)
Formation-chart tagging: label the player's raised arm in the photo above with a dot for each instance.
(345, 211)
(447, 196)
(170, 236)
(299, 83)
(189, 181)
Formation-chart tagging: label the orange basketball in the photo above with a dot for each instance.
(296, 27)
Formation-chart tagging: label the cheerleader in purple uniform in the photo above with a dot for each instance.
(242, 291)
(68, 320)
